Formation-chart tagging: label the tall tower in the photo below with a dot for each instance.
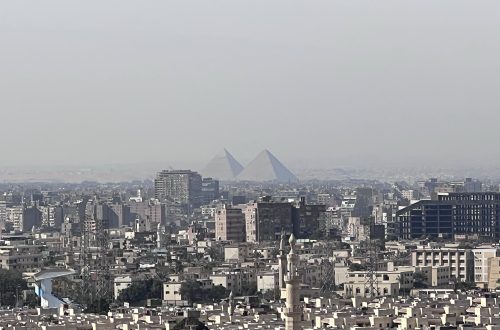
(293, 312)
(282, 266)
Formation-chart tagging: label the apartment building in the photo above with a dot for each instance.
(460, 261)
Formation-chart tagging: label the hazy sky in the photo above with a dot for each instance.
(317, 82)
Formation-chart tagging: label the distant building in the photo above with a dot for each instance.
(97, 216)
(265, 220)
(20, 257)
(151, 210)
(309, 219)
(453, 214)
(209, 190)
(24, 218)
(183, 187)
(230, 225)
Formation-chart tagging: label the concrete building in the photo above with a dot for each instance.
(308, 219)
(482, 255)
(119, 215)
(387, 283)
(230, 225)
(460, 261)
(265, 220)
(21, 257)
(236, 253)
(209, 190)
(121, 283)
(183, 187)
(437, 276)
(267, 281)
(152, 209)
(172, 294)
(493, 273)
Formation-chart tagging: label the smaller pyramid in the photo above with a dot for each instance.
(222, 167)
(266, 167)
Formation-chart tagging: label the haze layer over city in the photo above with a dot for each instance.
(225, 165)
(394, 84)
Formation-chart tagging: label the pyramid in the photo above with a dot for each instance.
(266, 167)
(222, 167)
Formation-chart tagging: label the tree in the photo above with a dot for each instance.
(100, 306)
(190, 291)
(465, 286)
(272, 294)
(357, 267)
(215, 293)
(249, 290)
(190, 323)
(140, 291)
(11, 285)
(193, 293)
(419, 280)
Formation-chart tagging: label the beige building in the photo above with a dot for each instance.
(460, 261)
(482, 255)
(267, 281)
(172, 294)
(230, 225)
(388, 283)
(437, 276)
(250, 211)
(235, 252)
(21, 257)
(493, 273)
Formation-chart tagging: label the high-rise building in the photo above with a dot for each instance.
(309, 220)
(452, 215)
(230, 224)
(3, 215)
(209, 190)
(151, 210)
(482, 255)
(182, 187)
(97, 216)
(266, 220)
(119, 215)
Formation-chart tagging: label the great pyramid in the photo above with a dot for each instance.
(222, 167)
(266, 167)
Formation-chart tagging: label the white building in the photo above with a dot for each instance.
(172, 294)
(268, 281)
(120, 283)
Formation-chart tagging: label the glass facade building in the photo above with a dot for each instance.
(451, 215)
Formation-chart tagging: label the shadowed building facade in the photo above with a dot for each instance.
(452, 215)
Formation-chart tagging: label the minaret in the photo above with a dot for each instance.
(293, 312)
(158, 236)
(230, 308)
(282, 266)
